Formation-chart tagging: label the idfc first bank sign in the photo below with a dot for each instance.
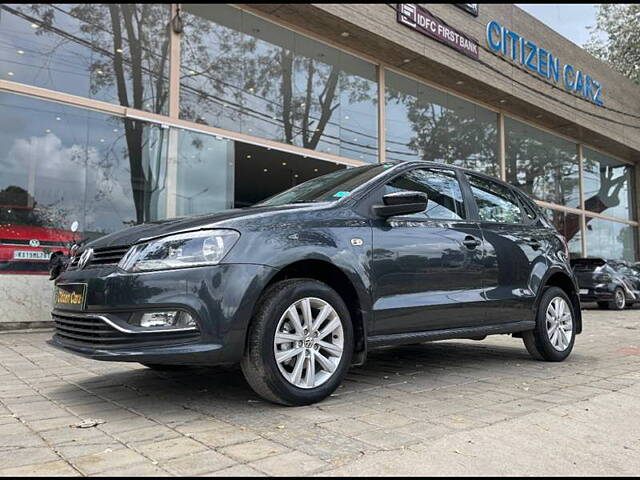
(544, 63)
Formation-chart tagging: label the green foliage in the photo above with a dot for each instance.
(621, 48)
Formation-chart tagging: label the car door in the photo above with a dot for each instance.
(515, 246)
(426, 267)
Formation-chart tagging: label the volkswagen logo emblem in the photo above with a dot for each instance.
(34, 242)
(84, 258)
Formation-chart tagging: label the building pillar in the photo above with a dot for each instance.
(382, 131)
(502, 148)
(583, 220)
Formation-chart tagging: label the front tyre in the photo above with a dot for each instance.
(554, 335)
(300, 343)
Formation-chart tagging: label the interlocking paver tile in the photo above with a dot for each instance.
(427, 409)
(290, 464)
(198, 463)
(106, 461)
(254, 450)
(172, 448)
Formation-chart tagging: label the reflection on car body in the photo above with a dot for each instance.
(611, 283)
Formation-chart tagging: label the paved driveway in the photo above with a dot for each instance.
(455, 407)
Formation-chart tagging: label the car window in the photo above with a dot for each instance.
(496, 203)
(441, 187)
(529, 210)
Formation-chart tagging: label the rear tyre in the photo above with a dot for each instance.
(603, 305)
(619, 299)
(300, 343)
(554, 335)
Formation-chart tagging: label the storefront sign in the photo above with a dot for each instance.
(421, 20)
(543, 62)
(472, 8)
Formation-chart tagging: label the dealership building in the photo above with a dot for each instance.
(116, 114)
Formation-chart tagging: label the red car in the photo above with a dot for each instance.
(27, 242)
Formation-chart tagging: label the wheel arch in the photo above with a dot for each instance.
(332, 275)
(560, 279)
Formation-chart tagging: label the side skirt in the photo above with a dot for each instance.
(448, 334)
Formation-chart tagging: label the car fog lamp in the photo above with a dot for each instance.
(172, 319)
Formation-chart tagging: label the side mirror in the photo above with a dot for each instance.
(401, 203)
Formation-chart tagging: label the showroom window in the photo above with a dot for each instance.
(542, 164)
(423, 123)
(611, 240)
(608, 185)
(117, 53)
(204, 173)
(244, 74)
(62, 165)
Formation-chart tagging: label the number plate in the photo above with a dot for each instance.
(584, 291)
(30, 255)
(70, 296)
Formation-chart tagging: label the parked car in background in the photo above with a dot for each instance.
(612, 284)
(27, 240)
(298, 287)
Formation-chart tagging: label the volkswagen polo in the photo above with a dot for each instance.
(299, 287)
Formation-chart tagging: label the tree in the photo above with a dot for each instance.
(289, 92)
(615, 38)
(127, 47)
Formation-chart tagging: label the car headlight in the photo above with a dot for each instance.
(191, 249)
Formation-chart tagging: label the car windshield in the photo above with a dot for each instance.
(327, 188)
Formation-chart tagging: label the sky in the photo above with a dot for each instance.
(568, 19)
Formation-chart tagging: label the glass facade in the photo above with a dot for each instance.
(423, 123)
(543, 165)
(117, 53)
(608, 185)
(61, 164)
(611, 240)
(204, 173)
(243, 74)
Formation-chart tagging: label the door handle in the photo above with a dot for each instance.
(533, 243)
(470, 242)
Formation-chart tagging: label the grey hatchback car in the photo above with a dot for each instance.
(298, 287)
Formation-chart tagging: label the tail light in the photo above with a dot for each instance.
(602, 277)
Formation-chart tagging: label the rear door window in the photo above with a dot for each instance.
(496, 203)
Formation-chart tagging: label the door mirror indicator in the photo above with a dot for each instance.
(401, 203)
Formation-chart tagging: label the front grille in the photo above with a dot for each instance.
(101, 257)
(91, 331)
(107, 256)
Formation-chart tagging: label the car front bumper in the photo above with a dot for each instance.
(221, 298)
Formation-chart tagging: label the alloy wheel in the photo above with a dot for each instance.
(620, 300)
(308, 342)
(559, 323)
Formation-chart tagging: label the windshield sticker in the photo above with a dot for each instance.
(341, 194)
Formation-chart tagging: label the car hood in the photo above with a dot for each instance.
(227, 218)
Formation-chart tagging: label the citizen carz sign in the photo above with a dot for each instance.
(422, 21)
